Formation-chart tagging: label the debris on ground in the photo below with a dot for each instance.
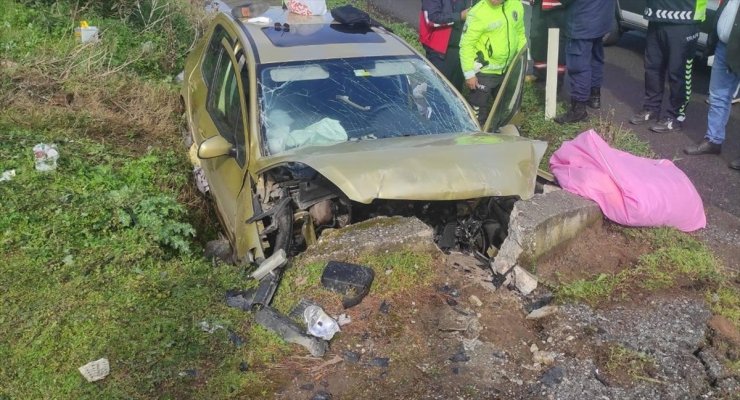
(209, 328)
(276, 260)
(543, 312)
(95, 370)
(45, 156)
(7, 175)
(353, 281)
(319, 323)
(289, 331)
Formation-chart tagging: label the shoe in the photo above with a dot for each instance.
(666, 125)
(705, 147)
(643, 116)
(594, 101)
(576, 113)
(735, 164)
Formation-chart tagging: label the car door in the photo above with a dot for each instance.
(509, 97)
(222, 114)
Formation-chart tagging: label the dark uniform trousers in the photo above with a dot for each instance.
(585, 60)
(482, 98)
(670, 48)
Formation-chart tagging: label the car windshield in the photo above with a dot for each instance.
(330, 101)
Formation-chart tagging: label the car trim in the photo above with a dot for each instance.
(253, 45)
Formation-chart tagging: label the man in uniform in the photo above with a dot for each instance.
(673, 29)
(587, 23)
(492, 36)
(440, 27)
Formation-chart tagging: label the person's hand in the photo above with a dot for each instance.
(472, 83)
(464, 14)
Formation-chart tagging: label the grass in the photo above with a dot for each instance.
(625, 362)
(676, 260)
(537, 127)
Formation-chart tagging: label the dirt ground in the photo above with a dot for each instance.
(439, 342)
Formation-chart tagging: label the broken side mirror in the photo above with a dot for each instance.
(215, 146)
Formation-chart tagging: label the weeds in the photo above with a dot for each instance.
(623, 362)
(677, 260)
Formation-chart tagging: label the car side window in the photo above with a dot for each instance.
(224, 102)
(213, 53)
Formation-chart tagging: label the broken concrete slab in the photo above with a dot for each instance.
(372, 235)
(522, 280)
(542, 223)
(284, 327)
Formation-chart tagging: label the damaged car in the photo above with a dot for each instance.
(300, 124)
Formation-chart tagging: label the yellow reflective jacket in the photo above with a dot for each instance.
(492, 35)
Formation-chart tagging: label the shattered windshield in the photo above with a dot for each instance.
(330, 101)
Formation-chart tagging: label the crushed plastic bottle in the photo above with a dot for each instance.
(46, 157)
(319, 323)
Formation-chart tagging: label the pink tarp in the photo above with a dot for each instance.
(630, 190)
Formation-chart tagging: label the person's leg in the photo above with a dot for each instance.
(721, 84)
(682, 41)
(453, 69)
(482, 99)
(654, 62)
(578, 61)
(597, 73)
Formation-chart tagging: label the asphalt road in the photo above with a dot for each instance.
(622, 95)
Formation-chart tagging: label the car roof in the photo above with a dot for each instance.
(316, 38)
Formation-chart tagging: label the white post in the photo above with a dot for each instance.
(551, 84)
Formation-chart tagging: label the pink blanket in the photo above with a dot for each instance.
(630, 190)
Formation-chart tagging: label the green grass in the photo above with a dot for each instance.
(622, 360)
(677, 259)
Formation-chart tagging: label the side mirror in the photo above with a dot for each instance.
(215, 146)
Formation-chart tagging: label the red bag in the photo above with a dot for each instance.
(435, 37)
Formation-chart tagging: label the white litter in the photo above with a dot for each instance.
(46, 156)
(274, 261)
(95, 370)
(7, 175)
(319, 323)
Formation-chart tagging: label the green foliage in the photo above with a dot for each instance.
(726, 302)
(535, 126)
(398, 271)
(590, 291)
(634, 364)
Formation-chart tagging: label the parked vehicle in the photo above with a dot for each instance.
(300, 124)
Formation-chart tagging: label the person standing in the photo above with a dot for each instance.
(440, 27)
(493, 35)
(670, 47)
(725, 77)
(546, 14)
(587, 23)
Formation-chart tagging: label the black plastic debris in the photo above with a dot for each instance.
(381, 362)
(353, 281)
(284, 327)
(307, 386)
(234, 338)
(243, 366)
(322, 395)
(460, 356)
(351, 357)
(256, 297)
(385, 307)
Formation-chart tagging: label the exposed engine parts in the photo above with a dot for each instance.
(296, 204)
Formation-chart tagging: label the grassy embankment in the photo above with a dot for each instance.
(101, 257)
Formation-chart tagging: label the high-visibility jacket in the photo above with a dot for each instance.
(676, 11)
(493, 33)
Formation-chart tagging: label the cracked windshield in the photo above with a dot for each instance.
(332, 101)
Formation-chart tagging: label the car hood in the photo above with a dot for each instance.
(438, 167)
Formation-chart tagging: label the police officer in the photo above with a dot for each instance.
(587, 23)
(440, 27)
(673, 29)
(492, 36)
(546, 14)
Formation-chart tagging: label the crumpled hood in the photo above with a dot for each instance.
(438, 167)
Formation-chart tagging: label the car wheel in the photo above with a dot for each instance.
(612, 37)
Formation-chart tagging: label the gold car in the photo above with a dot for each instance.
(301, 123)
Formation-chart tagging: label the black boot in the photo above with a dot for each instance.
(576, 113)
(595, 100)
